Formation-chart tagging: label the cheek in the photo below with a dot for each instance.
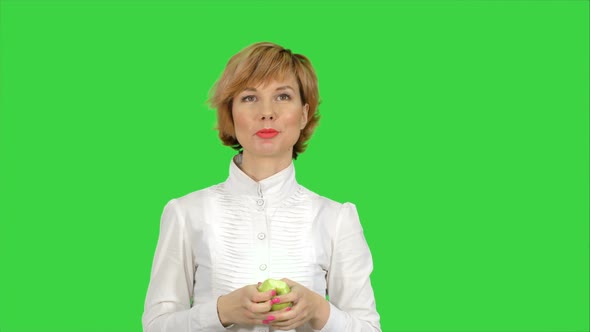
(239, 121)
(242, 126)
(294, 119)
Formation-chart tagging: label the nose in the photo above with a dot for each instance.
(267, 112)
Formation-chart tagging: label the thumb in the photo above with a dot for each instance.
(289, 282)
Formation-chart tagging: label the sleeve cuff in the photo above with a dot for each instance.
(205, 318)
(336, 321)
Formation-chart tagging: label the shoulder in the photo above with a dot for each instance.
(324, 201)
(193, 202)
(199, 196)
(330, 210)
(192, 210)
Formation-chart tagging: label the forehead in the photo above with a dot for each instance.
(273, 83)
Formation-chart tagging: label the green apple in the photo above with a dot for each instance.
(280, 287)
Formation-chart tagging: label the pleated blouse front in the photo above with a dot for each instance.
(240, 232)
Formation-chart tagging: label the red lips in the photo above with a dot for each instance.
(267, 133)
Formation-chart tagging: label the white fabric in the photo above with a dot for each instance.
(240, 232)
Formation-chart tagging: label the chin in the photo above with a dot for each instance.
(270, 153)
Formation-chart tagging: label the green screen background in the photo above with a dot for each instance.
(459, 129)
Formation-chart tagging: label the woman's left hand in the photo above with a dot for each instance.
(308, 306)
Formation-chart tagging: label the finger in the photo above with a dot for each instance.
(259, 308)
(263, 296)
(288, 324)
(269, 318)
(293, 297)
(283, 314)
(289, 282)
(289, 318)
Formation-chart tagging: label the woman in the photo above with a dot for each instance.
(215, 244)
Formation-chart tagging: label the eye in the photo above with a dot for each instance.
(283, 97)
(249, 98)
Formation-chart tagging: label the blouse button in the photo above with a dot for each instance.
(260, 202)
(262, 267)
(261, 236)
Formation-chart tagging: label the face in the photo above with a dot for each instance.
(268, 118)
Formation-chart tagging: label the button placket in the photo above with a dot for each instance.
(260, 235)
(261, 232)
(260, 204)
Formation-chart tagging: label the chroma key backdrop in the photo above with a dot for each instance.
(458, 128)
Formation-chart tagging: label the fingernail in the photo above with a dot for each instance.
(265, 322)
(288, 309)
(275, 300)
(273, 292)
(269, 318)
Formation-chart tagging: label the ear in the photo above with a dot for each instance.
(304, 116)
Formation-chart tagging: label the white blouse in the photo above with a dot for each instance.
(240, 232)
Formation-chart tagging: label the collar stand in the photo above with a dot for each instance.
(273, 189)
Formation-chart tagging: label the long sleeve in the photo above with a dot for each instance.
(168, 301)
(224, 237)
(352, 302)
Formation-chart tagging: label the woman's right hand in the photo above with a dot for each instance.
(245, 306)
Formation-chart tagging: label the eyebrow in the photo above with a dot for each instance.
(280, 88)
(284, 87)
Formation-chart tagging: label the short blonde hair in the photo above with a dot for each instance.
(259, 63)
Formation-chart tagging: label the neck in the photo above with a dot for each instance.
(260, 168)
